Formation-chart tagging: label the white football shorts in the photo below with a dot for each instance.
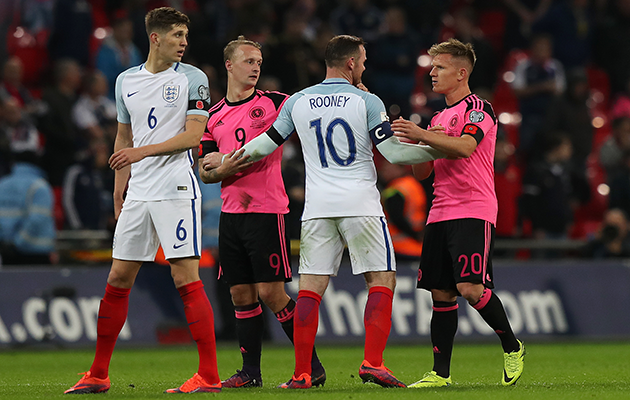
(143, 225)
(368, 239)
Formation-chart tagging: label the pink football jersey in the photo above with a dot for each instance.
(464, 188)
(260, 188)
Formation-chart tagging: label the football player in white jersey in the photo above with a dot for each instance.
(337, 123)
(162, 111)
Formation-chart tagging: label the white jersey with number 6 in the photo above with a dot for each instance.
(156, 106)
(333, 120)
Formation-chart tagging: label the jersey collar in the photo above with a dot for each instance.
(335, 81)
(459, 101)
(238, 103)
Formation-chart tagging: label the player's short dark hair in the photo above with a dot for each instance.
(230, 48)
(163, 19)
(456, 49)
(340, 48)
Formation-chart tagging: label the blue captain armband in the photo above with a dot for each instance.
(381, 132)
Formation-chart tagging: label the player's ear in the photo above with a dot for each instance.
(154, 38)
(350, 63)
(463, 73)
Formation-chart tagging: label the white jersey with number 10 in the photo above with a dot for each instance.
(333, 120)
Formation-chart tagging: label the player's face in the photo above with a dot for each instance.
(173, 44)
(245, 65)
(445, 74)
(359, 66)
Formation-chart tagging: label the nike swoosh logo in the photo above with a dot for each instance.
(131, 94)
(175, 246)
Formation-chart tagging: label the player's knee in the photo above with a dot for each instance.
(120, 279)
(273, 295)
(471, 293)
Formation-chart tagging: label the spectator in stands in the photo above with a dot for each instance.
(5, 145)
(616, 145)
(293, 56)
(612, 47)
(538, 79)
(612, 239)
(507, 181)
(56, 123)
(94, 113)
(72, 31)
(27, 229)
(14, 125)
(620, 186)
(11, 86)
(570, 113)
(520, 17)
(484, 75)
(393, 62)
(88, 190)
(357, 17)
(547, 199)
(570, 25)
(117, 53)
(405, 205)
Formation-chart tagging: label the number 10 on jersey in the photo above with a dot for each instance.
(328, 143)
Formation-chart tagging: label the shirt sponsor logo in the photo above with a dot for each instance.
(170, 93)
(476, 116)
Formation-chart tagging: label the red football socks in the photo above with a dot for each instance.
(201, 323)
(378, 323)
(112, 315)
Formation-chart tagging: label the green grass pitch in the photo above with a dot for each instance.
(567, 370)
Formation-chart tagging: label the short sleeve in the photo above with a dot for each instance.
(376, 113)
(284, 123)
(121, 108)
(198, 92)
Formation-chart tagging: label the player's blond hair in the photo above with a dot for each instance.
(230, 48)
(457, 49)
(163, 19)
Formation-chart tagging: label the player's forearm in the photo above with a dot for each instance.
(456, 147)
(183, 142)
(188, 139)
(259, 147)
(121, 178)
(406, 153)
(211, 175)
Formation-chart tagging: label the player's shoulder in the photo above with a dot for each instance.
(478, 104)
(131, 70)
(183, 68)
(277, 98)
(217, 110)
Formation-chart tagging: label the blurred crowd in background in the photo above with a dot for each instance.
(557, 73)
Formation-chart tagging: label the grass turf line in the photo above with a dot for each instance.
(552, 371)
